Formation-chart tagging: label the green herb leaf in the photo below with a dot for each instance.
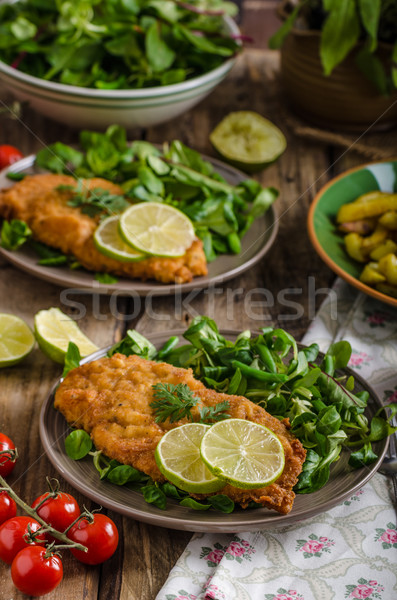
(167, 348)
(171, 491)
(370, 15)
(53, 261)
(59, 158)
(151, 182)
(372, 67)
(362, 457)
(341, 353)
(78, 444)
(222, 503)
(154, 495)
(212, 414)
(14, 234)
(394, 65)
(122, 474)
(172, 402)
(95, 201)
(134, 343)
(72, 358)
(160, 56)
(277, 39)
(341, 31)
(191, 503)
(105, 278)
(15, 176)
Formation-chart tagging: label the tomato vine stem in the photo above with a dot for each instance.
(61, 536)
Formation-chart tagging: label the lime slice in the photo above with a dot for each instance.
(245, 454)
(54, 330)
(156, 228)
(109, 242)
(248, 141)
(16, 340)
(178, 458)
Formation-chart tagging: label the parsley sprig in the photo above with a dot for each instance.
(174, 402)
(95, 201)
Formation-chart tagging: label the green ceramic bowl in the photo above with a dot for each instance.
(326, 239)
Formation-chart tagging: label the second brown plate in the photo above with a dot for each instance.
(254, 245)
(83, 476)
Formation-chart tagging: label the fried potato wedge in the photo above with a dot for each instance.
(355, 211)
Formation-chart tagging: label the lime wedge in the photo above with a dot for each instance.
(16, 340)
(178, 458)
(248, 141)
(54, 330)
(157, 229)
(108, 241)
(243, 453)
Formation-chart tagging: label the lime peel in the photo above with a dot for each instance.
(157, 229)
(178, 458)
(248, 141)
(16, 339)
(108, 241)
(245, 454)
(54, 330)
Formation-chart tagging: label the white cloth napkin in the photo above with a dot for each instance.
(348, 552)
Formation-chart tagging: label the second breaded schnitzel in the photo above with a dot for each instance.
(38, 201)
(110, 399)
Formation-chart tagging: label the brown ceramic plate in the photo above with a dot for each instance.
(255, 244)
(83, 476)
(327, 240)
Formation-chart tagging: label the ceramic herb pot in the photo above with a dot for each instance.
(345, 100)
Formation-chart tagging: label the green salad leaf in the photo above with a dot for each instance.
(116, 44)
(14, 234)
(72, 358)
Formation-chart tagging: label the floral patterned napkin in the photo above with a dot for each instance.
(349, 551)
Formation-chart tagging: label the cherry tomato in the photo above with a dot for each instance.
(12, 536)
(9, 155)
(7, 460)
(59, 511)
(8, 507)
(100, 537)
(34, 573)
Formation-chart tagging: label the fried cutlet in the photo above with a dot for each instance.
(110, 399)
(39, 202)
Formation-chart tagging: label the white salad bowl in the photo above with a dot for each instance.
(94, 108)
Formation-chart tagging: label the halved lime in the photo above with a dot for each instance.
(248, 141)
(243, 453)
(108, 241)
(54, 330)
(16, 339)
(178, 458)
(157, 229)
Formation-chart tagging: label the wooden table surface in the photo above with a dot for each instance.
(288, 283)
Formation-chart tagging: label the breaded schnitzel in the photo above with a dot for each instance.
(110, 399)
(38, 201)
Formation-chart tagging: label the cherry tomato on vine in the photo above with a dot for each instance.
(99, 536)
(12, 534)
(8, 507)
(59, 511)
(9, 155)
(35, 571)
(8, 459)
